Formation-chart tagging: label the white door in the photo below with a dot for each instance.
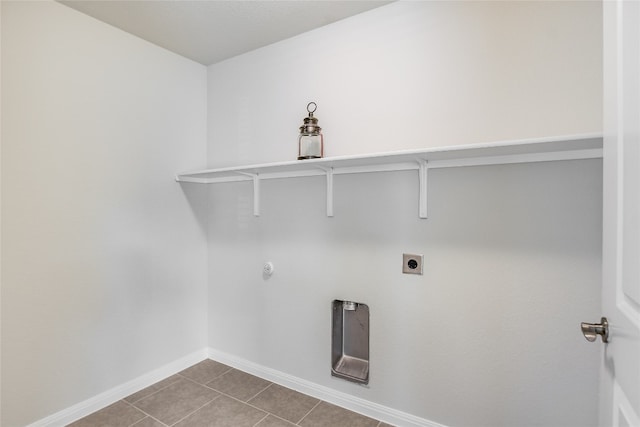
(620, 371)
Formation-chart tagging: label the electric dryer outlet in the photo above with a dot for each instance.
(412, 264)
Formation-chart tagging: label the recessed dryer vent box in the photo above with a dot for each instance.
(350, 341)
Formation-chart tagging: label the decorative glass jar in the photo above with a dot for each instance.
(310, 141)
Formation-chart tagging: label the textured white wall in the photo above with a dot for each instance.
(103, 254)
(489, 335)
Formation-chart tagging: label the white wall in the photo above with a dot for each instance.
(489, 335)
(103, 254)
(414, 75)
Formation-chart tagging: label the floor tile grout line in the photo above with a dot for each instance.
(149, 416)
(179, 376)
(145, 413)
(220, 393)
(247, 402)
(183, 377)
(208, 381)
(155, 419)
(283, 419)
(231, 368)
(157, 391)
(319, 401)
(311, 410)
(194, 411)
(270, 413)
(262, 419)
(200, 384)
(163, 388)
(239, 400)
(190, 413)
(136, 408)
(262, 409)
(256, 395)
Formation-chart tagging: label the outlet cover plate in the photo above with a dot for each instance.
(412, 264)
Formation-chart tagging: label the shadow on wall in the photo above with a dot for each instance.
(196, 195)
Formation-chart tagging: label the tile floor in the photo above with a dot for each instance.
(210, 394)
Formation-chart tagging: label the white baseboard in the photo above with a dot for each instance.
(347, 401)
(109, 397)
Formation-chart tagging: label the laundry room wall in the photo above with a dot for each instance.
(103, 253)
(489, 335)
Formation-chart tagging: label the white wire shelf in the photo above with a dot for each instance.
(572, 147)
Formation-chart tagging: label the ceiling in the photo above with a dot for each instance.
(211, 31)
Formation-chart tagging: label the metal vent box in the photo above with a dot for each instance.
(350, 341)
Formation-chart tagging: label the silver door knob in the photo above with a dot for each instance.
(592, 330)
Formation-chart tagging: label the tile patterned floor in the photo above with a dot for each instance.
(210, 394)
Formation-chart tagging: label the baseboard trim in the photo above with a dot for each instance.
(347, 401)
(356, 404)
(82, 409)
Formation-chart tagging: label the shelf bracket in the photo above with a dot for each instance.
(329, 173)
(422, 198)
(256, 191)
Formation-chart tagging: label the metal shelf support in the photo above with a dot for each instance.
(256, 191)
(329, 173)
(422, 198)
